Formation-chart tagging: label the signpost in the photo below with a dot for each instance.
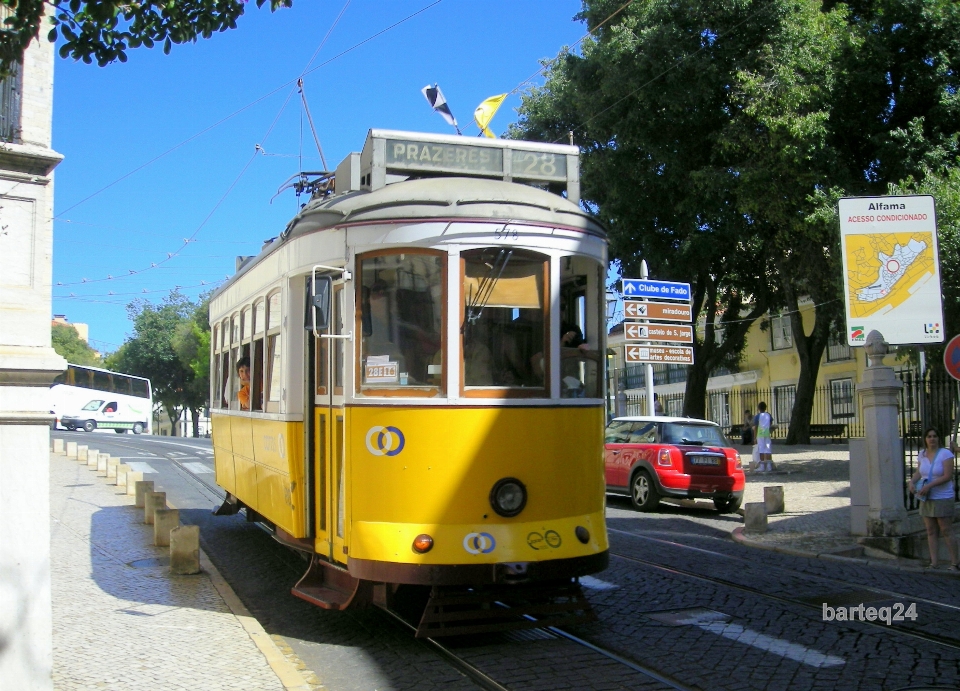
(663, 311)
(677, 355)
(645, 309)
(891, 269)
(669, 333)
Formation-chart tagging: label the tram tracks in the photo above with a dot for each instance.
(883, 594)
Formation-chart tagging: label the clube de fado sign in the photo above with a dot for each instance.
(652, 341)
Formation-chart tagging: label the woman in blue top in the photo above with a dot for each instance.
(935, 479)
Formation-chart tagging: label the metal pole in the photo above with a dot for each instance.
(922, 391)
(648, 368)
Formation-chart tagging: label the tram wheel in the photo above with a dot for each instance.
(643, 494)
(89, 426)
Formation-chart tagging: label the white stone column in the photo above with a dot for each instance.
(27, 367)
(880, 399)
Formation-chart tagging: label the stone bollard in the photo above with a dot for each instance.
(122, 471)
(71, 449)
(142, 487)
(112, 464)
(133, 477)
(164, 520)
(82, 453)
(151, 502)
(102, 460)
(58, 446)
(755, 517)
(92, 456)
(773, 499)
(185, 550)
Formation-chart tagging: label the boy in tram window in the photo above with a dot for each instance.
(243, 371)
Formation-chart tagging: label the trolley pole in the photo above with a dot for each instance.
(648, 367)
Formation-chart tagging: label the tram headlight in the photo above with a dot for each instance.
(582, 534)
(422, 543)
(508, 497)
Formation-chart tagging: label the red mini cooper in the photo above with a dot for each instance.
(649, 458)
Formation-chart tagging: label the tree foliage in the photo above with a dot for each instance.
(103, 30)
(163, 348)
(68, 344)
(717, 136)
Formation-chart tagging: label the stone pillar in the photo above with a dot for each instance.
(880, 400)
(28, 366)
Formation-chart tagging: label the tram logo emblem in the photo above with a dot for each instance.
(548, 540)
(479, 543)
(384, 441)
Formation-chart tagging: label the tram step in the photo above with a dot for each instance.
(453, 611)
(329, 586)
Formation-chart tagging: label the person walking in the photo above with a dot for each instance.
(762, 422)
(933, 486)
(746, 429)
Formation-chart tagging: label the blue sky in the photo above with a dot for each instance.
(110, 121)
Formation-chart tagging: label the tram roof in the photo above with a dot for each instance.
(444, 198)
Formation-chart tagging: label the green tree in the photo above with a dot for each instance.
(69, 345)
(150, 352)
(103, 30)
(650, 101)
(191, 343)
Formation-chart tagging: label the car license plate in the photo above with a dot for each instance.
(704, 460)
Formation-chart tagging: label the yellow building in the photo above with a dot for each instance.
(768, 371)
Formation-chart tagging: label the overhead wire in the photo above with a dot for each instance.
(258, 148)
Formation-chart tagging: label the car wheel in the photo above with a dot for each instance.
(138, 428)
(643, 493)
(72, 428)
(728, 505)
(89, 426)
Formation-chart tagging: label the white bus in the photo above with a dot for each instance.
(91, 398)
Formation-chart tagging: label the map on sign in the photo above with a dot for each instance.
(885, 268)
(891, 269)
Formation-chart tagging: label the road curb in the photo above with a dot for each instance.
(739, 537)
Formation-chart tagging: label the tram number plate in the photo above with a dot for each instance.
(704, 460)
(382, 374)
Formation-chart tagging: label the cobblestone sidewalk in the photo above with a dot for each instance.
(121, 620)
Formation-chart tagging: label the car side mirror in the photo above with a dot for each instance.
(320, 304)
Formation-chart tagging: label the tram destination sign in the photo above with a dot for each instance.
(474, 159)
(669, 333)
(677, 355)
(663, 311)
(645, 288)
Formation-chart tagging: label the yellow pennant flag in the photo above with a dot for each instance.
(485, 112)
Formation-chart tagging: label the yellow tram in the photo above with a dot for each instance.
(420, 401)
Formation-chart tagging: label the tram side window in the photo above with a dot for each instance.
(401, 320)
(582, 312)
(226, 393)
(256, 376)
(504, 308)
(273, 381)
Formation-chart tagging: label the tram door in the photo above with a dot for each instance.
(328, 456)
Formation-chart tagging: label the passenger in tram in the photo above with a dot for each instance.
(243, 372)
(477, 359)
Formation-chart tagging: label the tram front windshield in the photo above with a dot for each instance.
(503, 328)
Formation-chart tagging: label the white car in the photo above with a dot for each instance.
(119, 416)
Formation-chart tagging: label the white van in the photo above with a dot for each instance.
(109, 413)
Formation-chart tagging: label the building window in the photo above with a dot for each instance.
(837, 349)
(781, 333)
(783, 398)
(841, 399)
(11, 88)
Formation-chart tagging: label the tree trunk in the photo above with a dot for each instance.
(695, 394)
(810, 352)
(195, 415)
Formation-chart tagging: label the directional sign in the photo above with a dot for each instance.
(671, 333)
(664, 311)
(951, 357)
(678, 355)
(645, 288)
